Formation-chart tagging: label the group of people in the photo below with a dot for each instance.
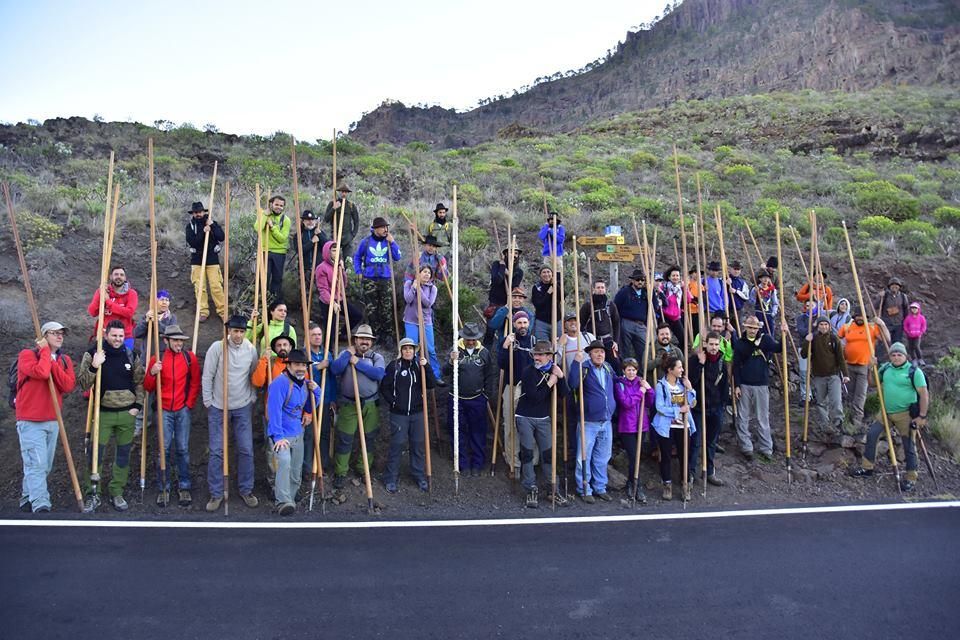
(637, 361)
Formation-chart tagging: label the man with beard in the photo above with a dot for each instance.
(441, 227)
(312, 238)
(751, 377)
(351, 225)
(498, 323)
(120, 304)
(632, 306)
(179, 374)
(275, 229)
(241, 363)
(500, 285)
(666, 346)
(605, 320)
(824, 354)
(121, 389)
(197, 231)
(856, 352)
(291, 398)
(477, 388)
(372, 263)
(368, 368)
(542, 297)
(522, 341)
(709, 364)
(281, 346)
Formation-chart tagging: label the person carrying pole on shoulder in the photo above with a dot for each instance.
(907, 401)
(37, 426)
(289, 411)
(200, 224)
(180, 379)
(121, 386)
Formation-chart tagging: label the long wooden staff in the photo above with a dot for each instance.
(95, 469)
(759, 304)
(226, 347)
(753, 239)
(593, 310)
(155, 321)
(146, 410)
(508, 281)
(727, 290)
(423, 370)
(202, 284)
(512, 409)
(553, 341)
(34, 315)
(359, 407)
(814, 250)
(393, 285)
(687, 332)
(701, 401)
(104, 265)
(258, 274)
(456, 369)
(647, 347)
(796, 243)
(583, 431)
(563, 364)
(783, 353)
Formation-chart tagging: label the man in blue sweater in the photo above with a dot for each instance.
(595, 381)
(751, 379)
(372, 263)
(290, 403)
(631, 303)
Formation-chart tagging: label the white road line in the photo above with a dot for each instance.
(503, 522)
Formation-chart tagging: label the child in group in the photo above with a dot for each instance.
(632, 391)
(765, 302)
(914, 326)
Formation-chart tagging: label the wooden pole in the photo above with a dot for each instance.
(783, 353)
(583, 432)
(202, 284)
(704, 308)
(34, 315)
(258, 272)
(456, 369)
(649, 262)
(686, 316)
(393, 287)
(810, 285)
(226, 349)
(421, 331)
(553, 341)
(164, 496)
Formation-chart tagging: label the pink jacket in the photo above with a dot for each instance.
(324, 276)
(629, 396)
(915, 324)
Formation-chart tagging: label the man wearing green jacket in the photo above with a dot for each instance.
(275, 230)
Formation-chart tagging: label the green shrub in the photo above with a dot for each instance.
(618, 164)
(418, 146)
(783, 189)
(917, 236)
(930, 202)
(646, 207)
(469, 192)
(589, 184)
(882, 198)
(509, 163)
(603, 198)
(474, 238)
(533, 198)
(834, 236)
(875, 226)
(905, 181)
(722, 153)
(949, 216)
(37, 232)
(643, 160)
(740, 173)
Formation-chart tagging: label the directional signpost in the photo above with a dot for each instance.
(611, 248)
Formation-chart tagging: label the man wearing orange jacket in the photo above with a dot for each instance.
(36, 419)
(281, 345)
(180, 378)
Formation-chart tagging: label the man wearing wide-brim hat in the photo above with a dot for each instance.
(476, 389)
(593, 377)
(893, 305)
(751, 379)
(351, 224)
(312, 239)
(441, 226)
(429, 257)
(178, 371)
(37, 426)
(290, 402)
(402, 391)
(361, 363)
(372, 261)
(632, 305)
(197, 231)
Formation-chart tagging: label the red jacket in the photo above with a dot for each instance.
(119, 306)
(173, 378)
(33, 370)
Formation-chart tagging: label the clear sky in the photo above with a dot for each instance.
(300, 67)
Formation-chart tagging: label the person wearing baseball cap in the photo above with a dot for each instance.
(37, 427)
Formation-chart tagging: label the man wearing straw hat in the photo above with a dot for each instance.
(290, 404)
(351, 226)
(477, 388)
(751, 379)
(369, 367)
(37, 425)
(180, 378)
(200, 224)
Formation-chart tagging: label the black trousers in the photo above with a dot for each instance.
(275, 263)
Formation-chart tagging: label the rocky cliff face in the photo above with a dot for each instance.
(714, 48)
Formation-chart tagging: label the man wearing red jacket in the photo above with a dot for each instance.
(180, 380)
(121, 304)
(36, 418)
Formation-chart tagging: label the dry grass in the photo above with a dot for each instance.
(945, 426)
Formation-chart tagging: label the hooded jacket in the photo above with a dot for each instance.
(401, 389)
(324, 276)
(120, 305)
(288, 401)
(195, 238)
(824, 295)
(630, 395)
(546, 239)
(914, 326)
(428, 295)
(370, 259)
(838, 319)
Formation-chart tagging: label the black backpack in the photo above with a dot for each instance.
(13, 376)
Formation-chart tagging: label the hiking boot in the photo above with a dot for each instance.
(213, 504)
(250, 500)
(558, 500)
(589, 499)
(424, 485)
(720, 449)
(46, 509)
(92, 504)
(606, 497)
(714, 480)
(907, 485)
(747, 455)
(860, 472)
(339, 481)
(391, 487)
(25, 507)
(163, 498)
(667, 491)
(119, 503)
(287, 509)
(533, 502)
(184, 499)
(765, 457)
(203, 317)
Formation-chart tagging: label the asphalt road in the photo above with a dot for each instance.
(835, 575)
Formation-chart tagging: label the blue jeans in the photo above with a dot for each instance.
(412, 331)
(599, 447)
(289, 471)
(541, 330)
(38, 446)
(176, 429)
(241, 421)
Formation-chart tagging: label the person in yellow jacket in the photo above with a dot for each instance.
(275, 230)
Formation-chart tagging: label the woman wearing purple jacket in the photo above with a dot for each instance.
(630, 390)
(428, 296)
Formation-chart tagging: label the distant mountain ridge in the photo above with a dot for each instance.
(712, 48)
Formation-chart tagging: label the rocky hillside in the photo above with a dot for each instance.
(707, 49)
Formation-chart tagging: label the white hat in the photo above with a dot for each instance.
(52, 326)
